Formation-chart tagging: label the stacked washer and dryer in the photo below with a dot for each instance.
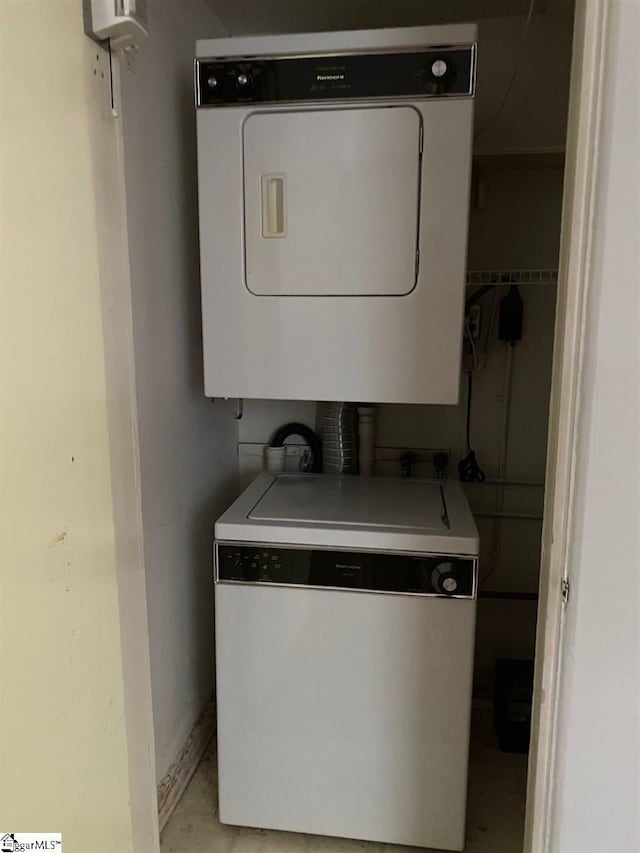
(334, 173)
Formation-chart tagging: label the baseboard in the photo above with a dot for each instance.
(173, 784)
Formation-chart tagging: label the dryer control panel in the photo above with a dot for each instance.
(410, 574)
(426, 73)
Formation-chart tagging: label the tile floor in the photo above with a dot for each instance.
(495, 813)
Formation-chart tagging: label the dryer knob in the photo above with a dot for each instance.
(212, 82)
(243, 80)
(449, 584)
(439, 68)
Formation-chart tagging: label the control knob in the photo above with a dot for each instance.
(439, 68)
(449, 584)
(212, 82)
(440, 74)
(242, 80)
(444, 579)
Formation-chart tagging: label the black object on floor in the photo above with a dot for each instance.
(513, 697)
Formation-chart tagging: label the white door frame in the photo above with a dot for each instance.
(583, 136)
(107, 146)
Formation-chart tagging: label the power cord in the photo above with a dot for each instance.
(468, 468)
(516, 68)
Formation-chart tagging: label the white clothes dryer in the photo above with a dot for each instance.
(333, 183)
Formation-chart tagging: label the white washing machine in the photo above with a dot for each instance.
(333, 185)
(345, 616)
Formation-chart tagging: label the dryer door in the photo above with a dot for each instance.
(331, 201)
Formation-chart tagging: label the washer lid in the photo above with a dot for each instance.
(346, 511)
(354, 502)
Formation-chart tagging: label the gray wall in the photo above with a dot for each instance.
(187, 445)
(597, 780)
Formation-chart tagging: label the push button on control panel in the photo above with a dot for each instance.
(248, 564)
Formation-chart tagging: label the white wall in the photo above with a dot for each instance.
(535, 113)
(596, 803)
(187, 445)
(67, 751)
(254, 16)
(262, 418)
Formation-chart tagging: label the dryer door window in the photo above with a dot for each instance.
(331, 202)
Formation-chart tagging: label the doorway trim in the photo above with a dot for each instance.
(107, 149)
(581, 166)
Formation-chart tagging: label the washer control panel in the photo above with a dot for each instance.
(414, 73)
(416, 574)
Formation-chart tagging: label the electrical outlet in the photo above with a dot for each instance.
(421, 455)
(473, 321)
(424, 462)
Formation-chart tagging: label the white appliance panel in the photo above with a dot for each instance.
(384, 349)
(331, 201)
(389, 503)
(344, 713)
